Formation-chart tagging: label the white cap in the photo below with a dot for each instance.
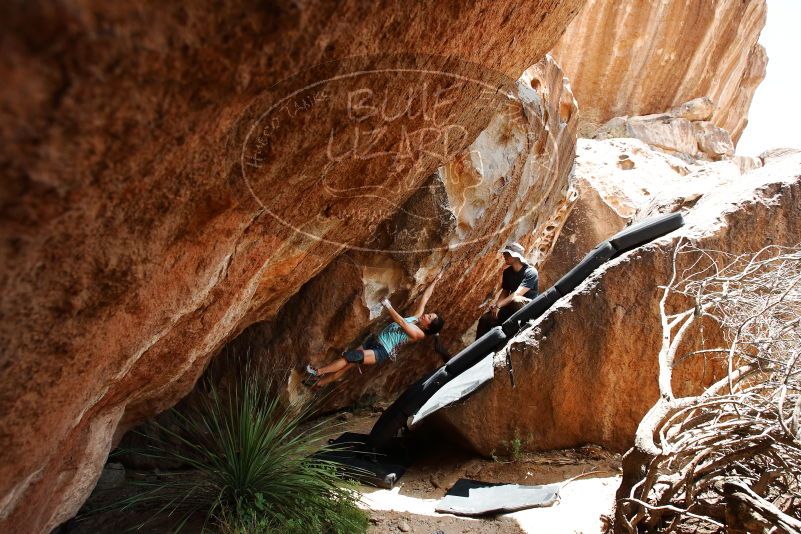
(515, 250)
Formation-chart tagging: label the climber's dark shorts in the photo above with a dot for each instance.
(371, 343)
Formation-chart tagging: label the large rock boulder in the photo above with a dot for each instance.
(174, 173)
(622, 180)
(586, 371)
(664, 132)
(777, 153)
(676, 132)
(511, 183)
(634, 57)
(697, 109)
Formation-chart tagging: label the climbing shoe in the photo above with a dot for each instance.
(313, 375)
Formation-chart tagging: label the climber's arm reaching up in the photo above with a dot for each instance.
(412, 330)
(421, 308)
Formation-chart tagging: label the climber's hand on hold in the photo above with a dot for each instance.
(387, 304)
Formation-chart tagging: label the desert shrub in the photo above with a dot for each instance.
(250, 467)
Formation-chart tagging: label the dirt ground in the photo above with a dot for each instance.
(580, 509)
(394, 522)
(409, 507)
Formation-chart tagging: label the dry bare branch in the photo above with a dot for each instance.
(732, 453)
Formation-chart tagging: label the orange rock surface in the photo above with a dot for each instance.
(639, 57)
(586, 371)
(511, 183)
(174, 173)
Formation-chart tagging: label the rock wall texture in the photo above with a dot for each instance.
(586, 371)
(623, 180)
(511, 183)
(174, 173)
(684, 131)
(640, 57)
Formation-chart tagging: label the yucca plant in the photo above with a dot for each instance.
(250, 468)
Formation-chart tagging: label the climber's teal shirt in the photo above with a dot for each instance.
(393, 337)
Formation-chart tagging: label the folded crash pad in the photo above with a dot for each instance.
(458, 388)
(394, 417)
(477, 350)
(530, 311)
(474, 498)
(387, 426)
(357, 460)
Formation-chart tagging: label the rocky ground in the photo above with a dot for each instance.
(390, 522)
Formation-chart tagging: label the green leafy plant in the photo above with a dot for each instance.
(514, 447)
(250, 468)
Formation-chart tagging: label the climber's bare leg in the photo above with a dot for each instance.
(330, 376)
(333, 367)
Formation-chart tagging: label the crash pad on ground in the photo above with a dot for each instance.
(358, 461)
(475, 498)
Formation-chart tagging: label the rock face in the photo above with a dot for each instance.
(623, 180)
(161, 192)
(679, 132)
(511, 183)
(634, 57)
(777, 153)
(586, 371)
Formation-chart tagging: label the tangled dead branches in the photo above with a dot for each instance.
(730, 457)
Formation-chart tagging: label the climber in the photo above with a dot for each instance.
(376, 349)
(519, 282)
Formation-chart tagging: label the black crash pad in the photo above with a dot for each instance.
(473, 498)
(530, 311)
(388, 426)
(394, 418)
(457, 389)
(357, 460)
(646, 231)
(476, 351)
(594, 259)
